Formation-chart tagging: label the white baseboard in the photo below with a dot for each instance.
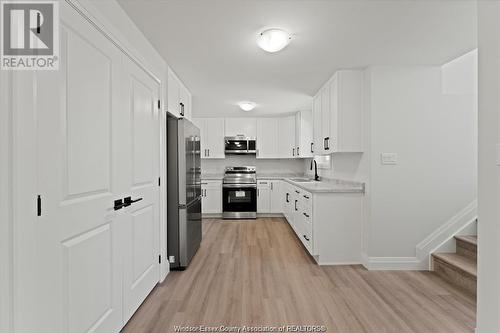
(393, 263)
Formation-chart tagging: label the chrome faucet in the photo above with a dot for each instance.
(316, 177)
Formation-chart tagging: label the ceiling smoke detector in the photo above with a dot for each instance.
(246, 106)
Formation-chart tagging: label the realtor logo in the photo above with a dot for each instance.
(30, 35)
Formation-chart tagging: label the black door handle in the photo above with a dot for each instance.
(128, 201)
(118, 204)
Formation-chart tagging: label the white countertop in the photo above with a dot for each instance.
(323, 186)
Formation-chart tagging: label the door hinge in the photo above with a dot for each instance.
(159, 259)
(159, 181)
(159, 104)
(39, 205)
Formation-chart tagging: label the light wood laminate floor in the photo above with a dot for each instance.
(255, 272)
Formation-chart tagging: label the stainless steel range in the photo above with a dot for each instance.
(239, 193)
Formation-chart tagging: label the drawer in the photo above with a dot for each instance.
(306, 198)
(306, 237)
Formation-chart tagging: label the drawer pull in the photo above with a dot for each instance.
(305, 237)
(305, 215)
(297, 192)
(305, 196)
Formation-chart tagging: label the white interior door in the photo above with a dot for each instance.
(79, 277)
(141, 153)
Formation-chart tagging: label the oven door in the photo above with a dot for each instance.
(236, 146)
(240, 201)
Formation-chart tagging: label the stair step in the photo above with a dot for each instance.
(470, 239)
(457, 269)
(467, 246)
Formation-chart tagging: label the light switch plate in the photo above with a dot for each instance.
(389, 158)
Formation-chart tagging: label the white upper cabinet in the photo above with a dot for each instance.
(337, 113)
(286, 134)
(173, 93)
(241, 126)
(267, 137)
(304, 134)
(185, 102)
(212, 137)
(179, 101)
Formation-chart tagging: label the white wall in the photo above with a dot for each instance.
(488, 299)
(264, 166)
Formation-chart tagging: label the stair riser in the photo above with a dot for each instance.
(455, 276)
(466, 249)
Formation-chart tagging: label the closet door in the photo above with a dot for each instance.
(140, 152)
(78, 235)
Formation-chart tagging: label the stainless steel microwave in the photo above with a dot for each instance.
(240, 145)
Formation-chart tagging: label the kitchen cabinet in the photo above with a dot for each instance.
(267, 137)
(263, 196)
(327, 224)
(211, 196)
(185, 102)
(173, 93)
(275, 196)
(269, 196)
(304, 134)
(241, 127)
(179, 100)
(337, 114)
(286, 134)
(212, 137)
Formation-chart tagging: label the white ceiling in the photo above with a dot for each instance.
(211, 44)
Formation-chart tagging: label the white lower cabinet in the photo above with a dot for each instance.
(211, 197)
(269, 198)
(263, 196)
(327, 224)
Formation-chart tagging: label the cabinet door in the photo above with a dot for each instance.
(263, 198)
(304, 135)
(211, 202)
(267, 137)
(276, 197)
(317, 128)
(325, 119)
(173, 89)
(286, 131)
(184, 101)
(214, 137)
(334, 114)
(241, 126)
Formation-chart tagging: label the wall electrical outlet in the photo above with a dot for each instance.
(389, 158)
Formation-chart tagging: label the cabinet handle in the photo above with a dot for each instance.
(327, 143)
(305, 237)
(271, 186)
(296, 205)
(305, 215)
(287, 195)
(262, 183)
(297, 192)
(293, 151)
(208, 152)
(182, 109)
(298, 151)
(305, 196)
(258, 192)
(312, 147)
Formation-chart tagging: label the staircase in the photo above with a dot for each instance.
(459, 268)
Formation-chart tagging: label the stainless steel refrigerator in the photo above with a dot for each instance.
(183, 191)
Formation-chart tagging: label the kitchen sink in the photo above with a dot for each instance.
(302, 180)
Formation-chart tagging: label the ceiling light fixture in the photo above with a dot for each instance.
(273, 40)
(246, 106)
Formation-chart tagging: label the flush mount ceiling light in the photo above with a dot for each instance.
(246, 106)
(273, 40)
